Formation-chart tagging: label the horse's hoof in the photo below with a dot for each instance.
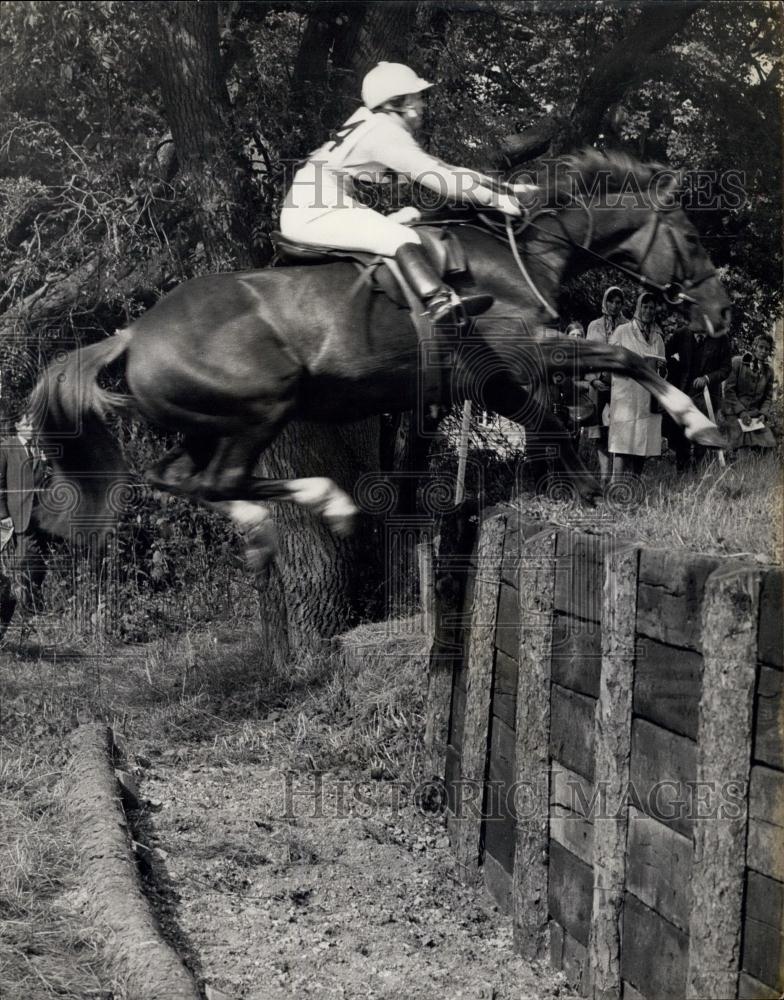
(709, 437)
(341, 524)
(261, 547)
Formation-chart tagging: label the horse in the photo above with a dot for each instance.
(228, 359)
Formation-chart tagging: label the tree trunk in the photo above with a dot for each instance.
(190, 71)
(320, 584)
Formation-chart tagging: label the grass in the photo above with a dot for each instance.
(733, 511)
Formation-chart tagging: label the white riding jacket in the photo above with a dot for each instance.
(368, 146)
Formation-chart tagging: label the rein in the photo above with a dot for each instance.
(674, 292)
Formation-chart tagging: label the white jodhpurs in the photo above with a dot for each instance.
(349, 227)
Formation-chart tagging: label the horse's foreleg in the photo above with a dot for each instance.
(317, 493)
(325, 498)
(577, 357)
(253, 522)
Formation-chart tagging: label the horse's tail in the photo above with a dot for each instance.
(68, 410)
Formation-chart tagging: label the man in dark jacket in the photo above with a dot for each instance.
(695, 361)
(23, 473)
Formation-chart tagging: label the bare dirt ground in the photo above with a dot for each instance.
(297, 885)
(284, 841)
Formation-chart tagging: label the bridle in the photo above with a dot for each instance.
(674, 292)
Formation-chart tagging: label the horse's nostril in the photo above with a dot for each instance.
(726, 314)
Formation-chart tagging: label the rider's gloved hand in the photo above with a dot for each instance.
(405, 216)
(507, 204)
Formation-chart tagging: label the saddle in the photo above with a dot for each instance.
(447, 255)
(443, 248)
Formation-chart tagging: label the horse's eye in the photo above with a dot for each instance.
(692, 239)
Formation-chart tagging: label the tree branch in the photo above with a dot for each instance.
(613, 76)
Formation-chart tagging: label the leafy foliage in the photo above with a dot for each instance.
(101, 211)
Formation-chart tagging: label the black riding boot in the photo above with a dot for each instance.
(438, 298)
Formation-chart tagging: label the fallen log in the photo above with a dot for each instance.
(111, 895)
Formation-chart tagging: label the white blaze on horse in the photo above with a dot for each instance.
(227, 360)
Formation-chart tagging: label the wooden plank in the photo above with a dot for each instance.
(532, 759)
(763, 932)
(765, 900)
(479, 677)
(654, 956)
(765, 850)
(769, 718)
(669, 597)
(572, 735)
(663, 767)
(612, 746)
(579, 574)
(763, 953)
(750, 988)
(628, 992)
(766, 795)
(498, 883)
(452, 779)
(505, 688)
(771, 620)
(456, 718)
(507, 637)
(502, 750)
(573, 832)
(729, 640)
(572, 790)
(577, 654)
(667, 686)
(658, 868)
(574, 961)
(570, 892)
(499, 839)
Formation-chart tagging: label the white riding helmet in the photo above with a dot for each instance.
(388, 80)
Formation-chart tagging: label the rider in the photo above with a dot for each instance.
(319, 208)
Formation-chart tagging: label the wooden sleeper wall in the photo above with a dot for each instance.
(607, 756)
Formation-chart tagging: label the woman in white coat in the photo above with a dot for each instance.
(635, 431)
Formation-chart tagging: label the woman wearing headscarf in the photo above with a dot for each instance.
(745, 409)
(635, 431)
(601, 330)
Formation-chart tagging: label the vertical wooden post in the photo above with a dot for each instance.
(532, 746)
(730, 614)
(462, 452)
(479, 682)
(612, 742)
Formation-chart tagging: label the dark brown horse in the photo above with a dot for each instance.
(229, 359)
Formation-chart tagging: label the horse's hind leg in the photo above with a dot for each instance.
(207, 468)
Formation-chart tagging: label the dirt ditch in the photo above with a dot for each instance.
(288, 885)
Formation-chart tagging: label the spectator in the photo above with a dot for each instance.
(23, 543)
(571, 402)
(695, 361)
(635, 430)
(745, 411)
(601, 330)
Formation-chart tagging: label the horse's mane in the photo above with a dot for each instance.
(615, 170)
